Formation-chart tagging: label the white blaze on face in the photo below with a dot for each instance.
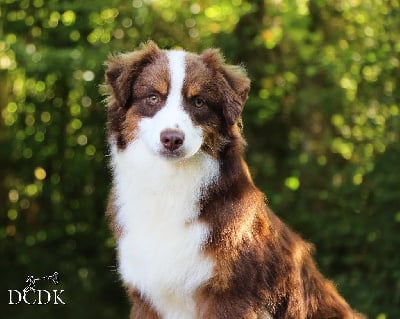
(172, 115)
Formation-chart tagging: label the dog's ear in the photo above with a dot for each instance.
(233, 84)
(122, 69)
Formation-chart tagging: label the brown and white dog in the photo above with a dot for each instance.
(195, 238)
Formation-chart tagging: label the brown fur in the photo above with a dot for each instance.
(142, 309)
(122, 73)
(261, 266)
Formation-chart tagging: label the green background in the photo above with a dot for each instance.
(322, 124)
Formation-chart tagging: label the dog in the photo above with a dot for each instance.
(195, 238)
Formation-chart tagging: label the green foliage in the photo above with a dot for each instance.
(322, 124)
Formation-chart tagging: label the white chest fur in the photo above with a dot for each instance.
(160, 246)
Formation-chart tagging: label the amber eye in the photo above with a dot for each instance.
(153, 99)
(198, 102)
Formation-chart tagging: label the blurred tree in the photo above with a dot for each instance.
(322, 123)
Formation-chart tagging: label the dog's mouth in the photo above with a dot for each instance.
(172, 154)
(178, 155)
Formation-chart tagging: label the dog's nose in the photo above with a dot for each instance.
(172, 139)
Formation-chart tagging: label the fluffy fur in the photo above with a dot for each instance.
(195, 238)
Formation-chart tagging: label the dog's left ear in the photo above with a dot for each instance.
(232, 81)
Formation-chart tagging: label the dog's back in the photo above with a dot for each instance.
(195, 238)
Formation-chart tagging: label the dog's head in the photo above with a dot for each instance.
(177, 103)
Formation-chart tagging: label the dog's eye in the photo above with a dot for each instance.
(153, 99)
(198, 102)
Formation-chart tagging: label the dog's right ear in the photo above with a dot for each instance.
(122, 69)
(232, 81)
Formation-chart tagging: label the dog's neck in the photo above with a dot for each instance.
(138, 171)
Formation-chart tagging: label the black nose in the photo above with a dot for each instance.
(172, 139)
